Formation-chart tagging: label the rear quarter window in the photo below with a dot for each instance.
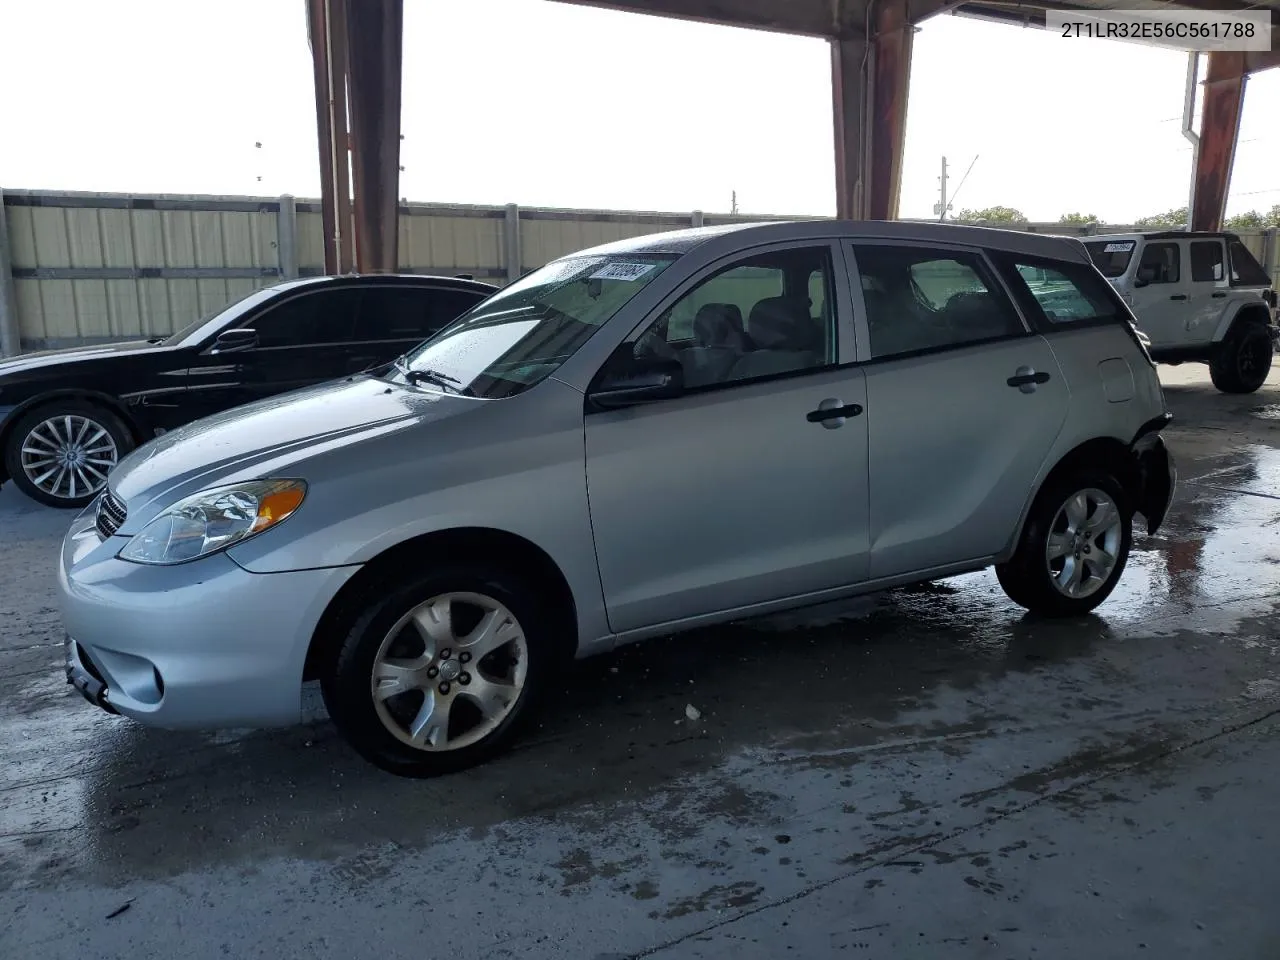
(1111, 257)
(1060, 294)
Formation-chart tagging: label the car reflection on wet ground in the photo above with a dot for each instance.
(926, 772)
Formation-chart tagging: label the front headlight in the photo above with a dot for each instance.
(213, 520)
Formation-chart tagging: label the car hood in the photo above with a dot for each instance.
(48, 358)
(272, 437)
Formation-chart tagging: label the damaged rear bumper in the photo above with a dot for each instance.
(1157, 472)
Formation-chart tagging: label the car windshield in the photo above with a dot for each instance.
(521, 334)
(1111, 256)
(196, 331)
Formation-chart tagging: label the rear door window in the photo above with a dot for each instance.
(1206, 261)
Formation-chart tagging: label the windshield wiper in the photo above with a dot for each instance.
(433, 377)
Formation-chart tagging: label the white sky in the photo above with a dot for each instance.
(541, 103)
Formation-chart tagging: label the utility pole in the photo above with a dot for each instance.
(941, 208)
(733, 208)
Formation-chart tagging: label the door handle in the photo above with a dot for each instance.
(831, 413)
(1218, 294)
(1025, 379)
(1178, 296)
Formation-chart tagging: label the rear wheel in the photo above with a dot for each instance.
(1242, 361)
(60, 454)
(1074, 546)
(436, 676)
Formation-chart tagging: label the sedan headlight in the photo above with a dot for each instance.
(213, 520)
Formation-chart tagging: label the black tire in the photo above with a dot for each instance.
(1242, 361)
(1028, 576)
(347, 684)
(20, 437)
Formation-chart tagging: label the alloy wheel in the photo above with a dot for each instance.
(68, 456)
(449, 672)
(1084, 543)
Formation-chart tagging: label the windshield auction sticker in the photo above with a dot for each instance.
(621, 271)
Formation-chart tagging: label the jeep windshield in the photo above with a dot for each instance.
(520, 335)
(1111, 256)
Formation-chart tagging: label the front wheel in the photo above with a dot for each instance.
(1242, 361)
(60, 454)
(1074, 547)
(435, 676)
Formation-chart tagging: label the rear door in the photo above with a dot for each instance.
(393, 319)
(1208, 288)
(964, 403)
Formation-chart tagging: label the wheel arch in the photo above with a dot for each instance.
(50, 397)
(519, 555)
(1107, 453)
(1245, 312)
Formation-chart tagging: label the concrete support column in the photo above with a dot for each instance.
(697, 220)
(375, 43)
(1219, 129)
(10, 333)
(287, 237)
(511, 252)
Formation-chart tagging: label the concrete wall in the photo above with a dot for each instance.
(81, 268)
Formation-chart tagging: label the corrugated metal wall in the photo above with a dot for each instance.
(95, 267)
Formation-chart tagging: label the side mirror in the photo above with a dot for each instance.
(233, 341)
(643, 381)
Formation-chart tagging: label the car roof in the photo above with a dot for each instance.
(384, 279)
(737, 236)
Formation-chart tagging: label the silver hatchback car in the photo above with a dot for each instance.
(631, 441)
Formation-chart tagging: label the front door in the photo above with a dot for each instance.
(964, 403)
(751, 486)
(1162, 303)
(303, 339)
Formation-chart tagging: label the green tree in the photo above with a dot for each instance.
(1079, 218)
(992, 215)
(1253, 220)
(1169, 220)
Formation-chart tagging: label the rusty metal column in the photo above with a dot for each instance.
(848, 100)
(890, 76)
(375, 32)
(1219, 128)
(327, 32)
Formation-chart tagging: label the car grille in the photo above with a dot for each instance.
(111, 514)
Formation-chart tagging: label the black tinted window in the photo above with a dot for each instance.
(1161, 263)
(1206, 261)
(921, 299)
(409, 313)
(311, 318)
(1245, 270)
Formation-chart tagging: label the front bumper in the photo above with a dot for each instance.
(202, 645)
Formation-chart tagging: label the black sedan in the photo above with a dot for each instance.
(67, 416)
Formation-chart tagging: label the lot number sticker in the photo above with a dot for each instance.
(622, 271)
(1118, 247)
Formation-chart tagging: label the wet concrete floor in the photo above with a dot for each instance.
(925, 773)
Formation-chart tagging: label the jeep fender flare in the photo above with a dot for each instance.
(1241, 311)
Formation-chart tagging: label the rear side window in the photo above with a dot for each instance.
(1206, 261)
(409, 313)
(1111, 257)
(1245, 270)
(1161, 263)
(920, 299)
(1064, 293)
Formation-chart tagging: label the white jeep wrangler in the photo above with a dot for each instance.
(1199, 297)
